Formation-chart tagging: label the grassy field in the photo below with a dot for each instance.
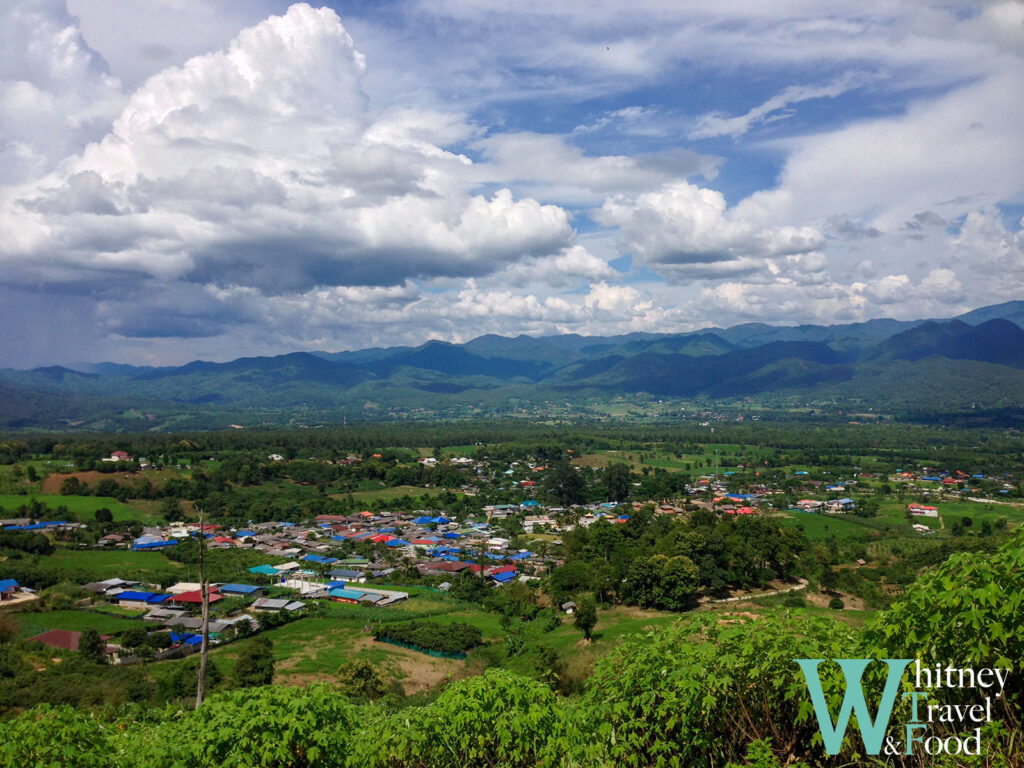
(31, 624)
(97, 565)
(846, 527)
(83, 508)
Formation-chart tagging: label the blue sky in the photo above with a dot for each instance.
(210, 179)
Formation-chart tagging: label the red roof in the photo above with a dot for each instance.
(382, 537)
(63, 638)
(743, 511)
(196, 596)
(223, 540)
(527, 482)
(501, 569)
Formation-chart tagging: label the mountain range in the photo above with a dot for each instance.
(879, 366)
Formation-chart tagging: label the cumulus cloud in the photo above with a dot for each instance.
(682, 224)
(263, 165)
(56, 92)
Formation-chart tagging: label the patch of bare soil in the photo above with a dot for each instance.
(418, 671)
(822, 600)
(52, 483)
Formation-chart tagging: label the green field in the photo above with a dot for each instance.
(82, 508)
(846, 527)
(31, 624)
(97, 565)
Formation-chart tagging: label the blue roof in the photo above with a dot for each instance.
(398, 543)
(155, 544)
(845, 501)
(244, 589)
(7, 584)
(423, 520)
(140, 596)
(269, 570)
(978, 477)
(451, 535)
(521, 555)
(242, 534)
(530, 503)
(320, 559)
(335, 585)
(158, 599)
(504, 577)
(800, 472)
(932, 478)
(348, 594)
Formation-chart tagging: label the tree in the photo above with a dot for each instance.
(586, 615)
(104, 515)
(70, 486)
(255, 664)
(361, 680)
(564, 483)
(618, 482)
(92, 647)
(134, 637)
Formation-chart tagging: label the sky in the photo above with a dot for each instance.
(209, 179)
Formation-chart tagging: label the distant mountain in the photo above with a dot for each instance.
(1011, 310)
(975, 361)
(993, 341)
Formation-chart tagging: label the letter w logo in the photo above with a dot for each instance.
(872, 731)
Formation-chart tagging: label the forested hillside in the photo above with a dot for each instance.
(882, 368)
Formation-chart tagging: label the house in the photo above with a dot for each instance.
(921, 510)
(196, 598)
(241, 590)
(8, 588)
(108, 587)
(276, 457)
(277, 604)
(840, 505)
(569, 607)
(118, 456)
(66, 640)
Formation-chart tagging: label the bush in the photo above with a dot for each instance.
(449, 638)
(55, 737)
(263, 727)
(684, 694)
(836, 604)
(495, 719)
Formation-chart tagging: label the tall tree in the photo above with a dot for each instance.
(92, 647)
(586, 615)
(618, 482)
(256, 664)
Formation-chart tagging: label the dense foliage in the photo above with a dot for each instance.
(432, 636)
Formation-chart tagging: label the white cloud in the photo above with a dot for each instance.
(715, 124)
(262, 165)
(55, 91)
(683, 224)
(944, 155)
